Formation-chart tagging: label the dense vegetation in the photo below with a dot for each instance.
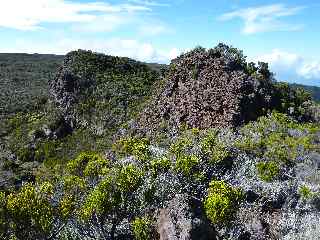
(24, 81)
(78, 168)
(107, 91)
(95, 194)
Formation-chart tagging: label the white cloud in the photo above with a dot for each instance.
(281, 59)
(310, 70)
(104, 23)
(29, 15)
(138, 50)
(264, 18)
(292, 67)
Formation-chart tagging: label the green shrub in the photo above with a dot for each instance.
(209, 141)
(287, 97)
(160, 165)
(47, 152)
(79, 165)
(269, 138)
(67, 206)
(100, 200)
(3, 213)
(222, 202)
(30, 209)
(129, 178)
(96, 166)
(73, 183)
(186, 164)
(268, 171)
(214, 148)
(142, 228)
(283, 148)
(305, 192)
(25, 154)
(249, 145)
(265, 124)
(195, 131)
(138, 147)
(219, 154)
(180, 146)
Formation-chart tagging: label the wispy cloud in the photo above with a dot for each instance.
(31, 14)
(265, 18)
(150, 3)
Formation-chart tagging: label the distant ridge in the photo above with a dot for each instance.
(314, 90)
(29, 74)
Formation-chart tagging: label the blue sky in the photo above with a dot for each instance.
(283, 33)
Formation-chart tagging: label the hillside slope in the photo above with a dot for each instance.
(90, 96)
(215, 149)
(314, 90)
(24, 80)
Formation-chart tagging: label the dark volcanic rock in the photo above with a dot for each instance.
(206, 89)
(179, 221)
(63, 89)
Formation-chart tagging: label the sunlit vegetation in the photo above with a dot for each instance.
(222, 202)
(98, 177)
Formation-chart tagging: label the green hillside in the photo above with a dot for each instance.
(24, 80)
(314, 90)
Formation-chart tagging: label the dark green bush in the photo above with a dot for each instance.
(181, 145)
(290, 100)
(305, 192)
(160, 165)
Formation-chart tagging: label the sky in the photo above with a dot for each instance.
(284, 33)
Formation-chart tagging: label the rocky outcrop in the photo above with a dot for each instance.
(182, 221)
(63, 89)
(207, 88)
(98, 91)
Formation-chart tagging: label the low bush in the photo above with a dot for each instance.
(142, 228)
(212, 147)
(305, 192)
(268, 171)
(137, 147)
(222, 202)
(160, 165)
(186, 164)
